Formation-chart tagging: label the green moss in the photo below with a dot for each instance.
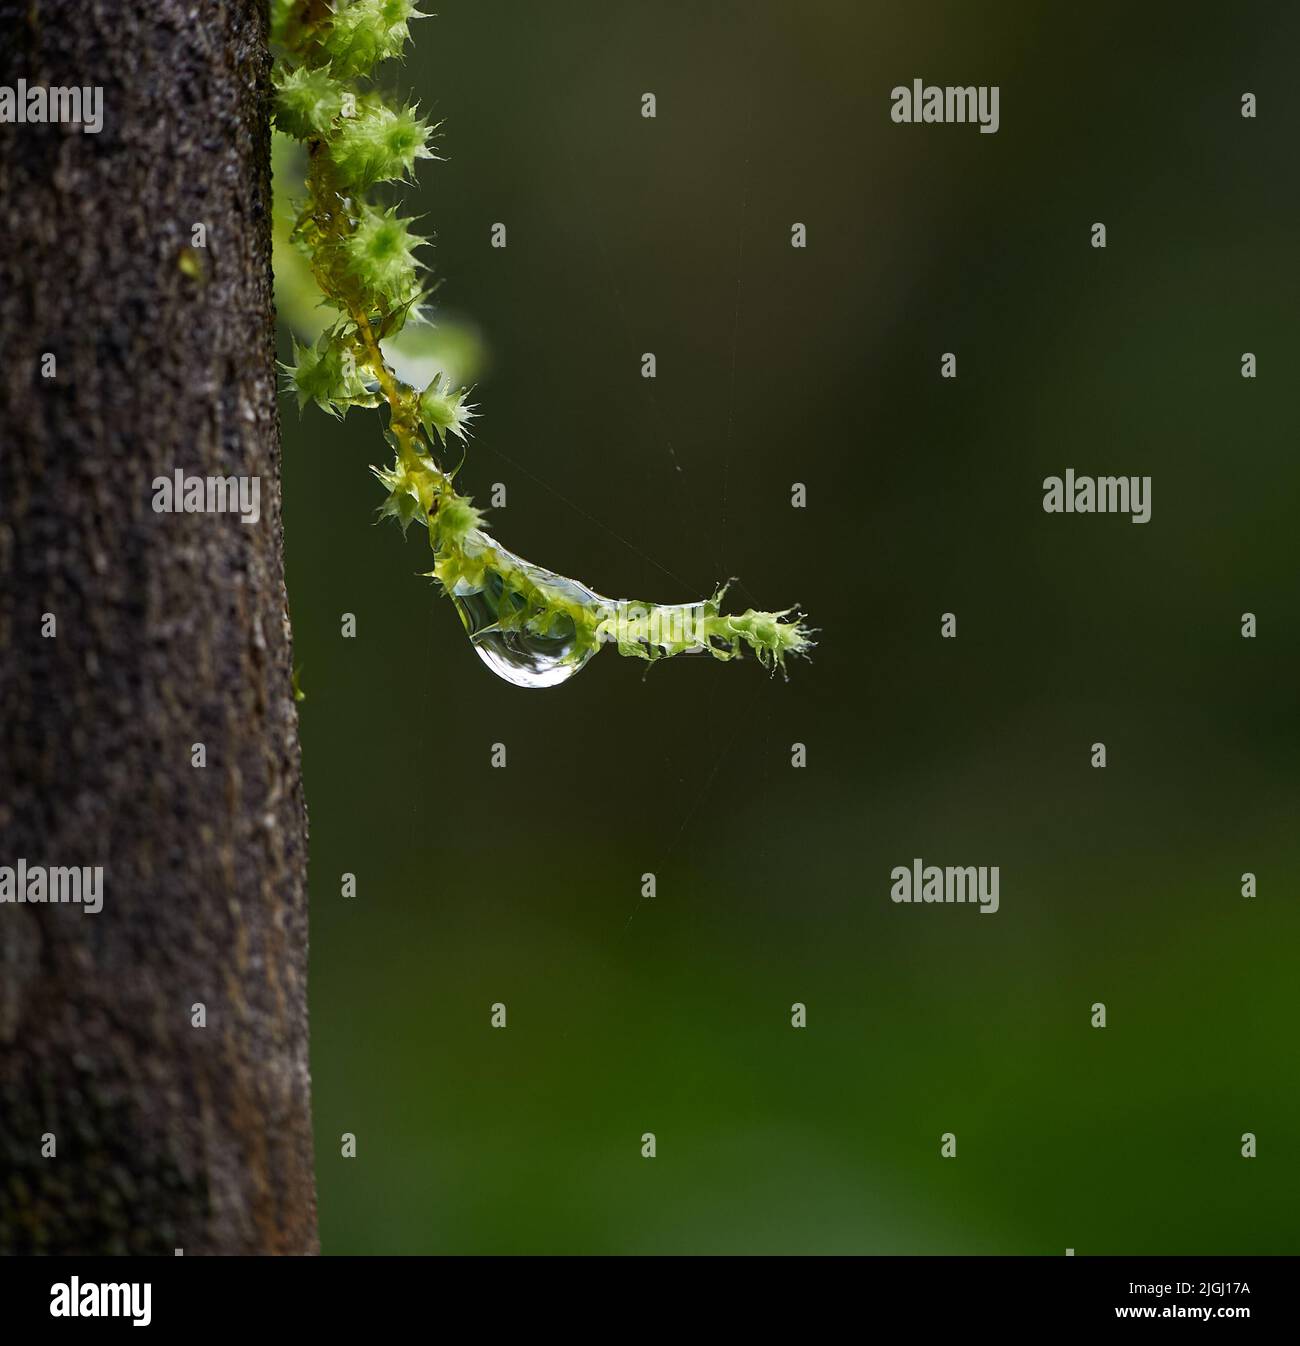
(363, 257)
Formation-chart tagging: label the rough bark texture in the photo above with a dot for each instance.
(172, 630)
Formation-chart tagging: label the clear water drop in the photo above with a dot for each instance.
(535, 643)
(523, 655)
(519, 656)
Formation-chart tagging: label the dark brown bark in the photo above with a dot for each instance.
(172, 630)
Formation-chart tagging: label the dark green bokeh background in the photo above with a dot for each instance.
(822, 366)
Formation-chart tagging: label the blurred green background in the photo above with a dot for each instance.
(924, 496)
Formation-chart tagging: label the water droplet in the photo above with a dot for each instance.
(521, 652)
(533, 641)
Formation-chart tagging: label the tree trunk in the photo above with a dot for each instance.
(169, 630)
